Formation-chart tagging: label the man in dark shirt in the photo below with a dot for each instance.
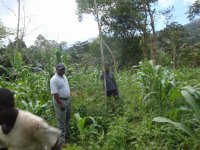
(111, 86)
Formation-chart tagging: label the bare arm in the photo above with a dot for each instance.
(57, 146)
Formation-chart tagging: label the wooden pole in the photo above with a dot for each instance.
(111, 53)
(101, 46)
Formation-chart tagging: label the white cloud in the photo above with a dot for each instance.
(165, 3)
(188, 2)
(162, 18)
(56, 20)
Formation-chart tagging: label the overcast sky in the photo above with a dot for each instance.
(57, 20)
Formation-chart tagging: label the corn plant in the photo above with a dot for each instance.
(31, 92)
(17, 64)
(84, 123)
(190, 94)
(158, 85)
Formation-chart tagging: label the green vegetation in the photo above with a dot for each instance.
(148, 95)
(157, 75)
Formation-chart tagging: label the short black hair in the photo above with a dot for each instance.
(7, 97)
(106, 65)
(60, 66)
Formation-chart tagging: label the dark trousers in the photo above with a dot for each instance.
(63, 118)
(113, 93)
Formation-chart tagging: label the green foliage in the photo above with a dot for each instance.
(32, 91)
(4, 32)
(122, 20)
(89, 129)
(18, 62)
(117, 135)
(194, 10)
(130, 126)
(145, 90)
(158, 85)
(84, 125)
(190, 94)
(171, 39)
(177, 125)
(173, 36)
(81, 123)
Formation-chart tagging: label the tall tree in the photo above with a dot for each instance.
(171, 39)
(151, 12)
(125, 20)
(115, 19)
(3, 33)
(194, 10)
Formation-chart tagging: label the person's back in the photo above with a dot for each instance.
(21, 130)
(29, 133)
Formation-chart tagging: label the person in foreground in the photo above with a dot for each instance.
(62, 104)
(22, 130)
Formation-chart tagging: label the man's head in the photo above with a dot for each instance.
(106, 67)
(7, 102)
(60, 69)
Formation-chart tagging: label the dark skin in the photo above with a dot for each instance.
(60, 72)
(8, 116)
(107, 69)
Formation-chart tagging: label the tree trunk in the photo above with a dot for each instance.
(145, 37)
(154, 41)
(18, 23)
(111, 53)
(101, 46)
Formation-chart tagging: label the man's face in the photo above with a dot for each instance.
(61, 71)
(106, 68)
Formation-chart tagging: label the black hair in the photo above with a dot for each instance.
(106, 65)
(7, 97)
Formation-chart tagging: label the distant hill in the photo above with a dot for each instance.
(193, 29)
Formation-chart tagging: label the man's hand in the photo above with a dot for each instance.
(59, 102)
(62, 106)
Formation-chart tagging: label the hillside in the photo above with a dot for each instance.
(193, 29)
